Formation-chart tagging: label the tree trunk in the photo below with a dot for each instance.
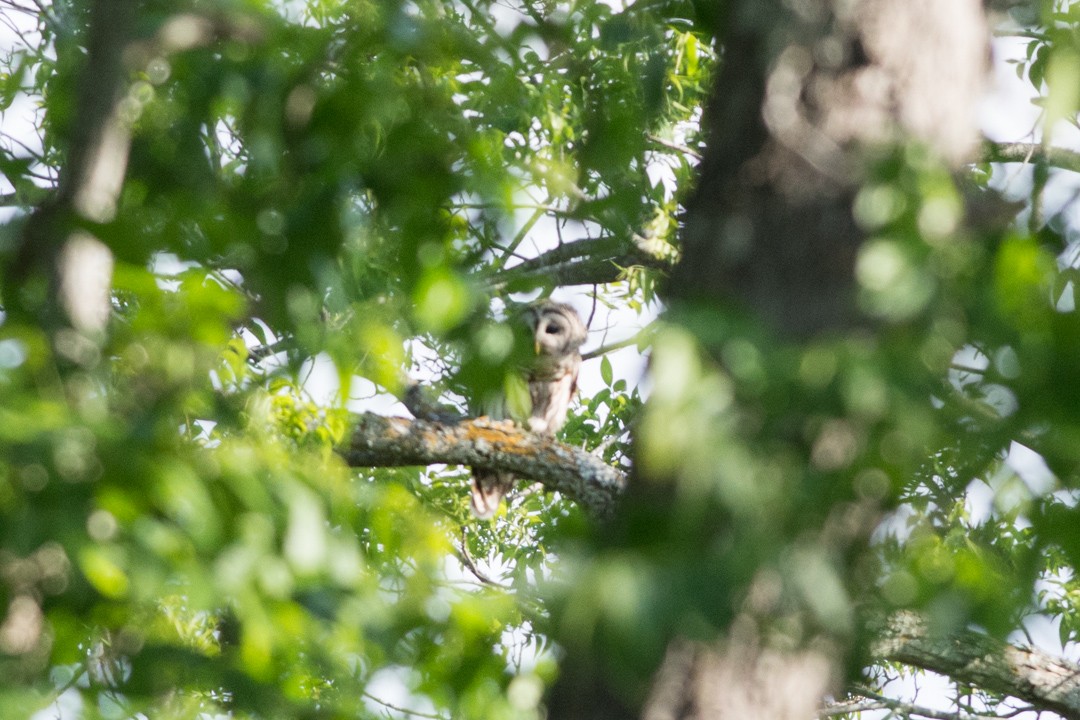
(803, 103)
(808, 97)
(54, 243)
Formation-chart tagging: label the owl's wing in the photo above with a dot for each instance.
(488, 489)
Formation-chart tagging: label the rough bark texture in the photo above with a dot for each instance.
(496, 445)
(1046, 682)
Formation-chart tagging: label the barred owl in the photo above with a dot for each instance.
(558, 332)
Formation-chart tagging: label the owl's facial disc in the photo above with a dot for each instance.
(551, 331)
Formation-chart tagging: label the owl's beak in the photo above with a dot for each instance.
(536, 346)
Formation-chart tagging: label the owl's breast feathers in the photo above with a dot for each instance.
(551, 394)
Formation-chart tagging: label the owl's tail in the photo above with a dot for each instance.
(488, 489)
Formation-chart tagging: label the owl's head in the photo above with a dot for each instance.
(557, 329)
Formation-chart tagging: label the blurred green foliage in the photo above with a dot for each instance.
(944, 430)
(353, 182)
(332, 180)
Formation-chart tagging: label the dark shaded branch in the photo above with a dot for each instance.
(97, 157)
(581, 249)
(1045, 681)
(587, 262)
(379, 441)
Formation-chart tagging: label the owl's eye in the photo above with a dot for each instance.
(553, 329)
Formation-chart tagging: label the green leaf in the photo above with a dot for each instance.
(606, 372)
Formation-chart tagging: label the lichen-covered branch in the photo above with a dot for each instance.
(379, 441)
(1018, 152)
(1047, 682)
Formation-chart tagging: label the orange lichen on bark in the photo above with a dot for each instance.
(498, 439)
(380, 441)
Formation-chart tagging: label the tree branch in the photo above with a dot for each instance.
(631, 341)
(674, 146)
(1032, 152)
(587, 262)
(400, 709)
(866, 700)
(1047, 682)
(380, 441)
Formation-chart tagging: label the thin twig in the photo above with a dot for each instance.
(866, 700)
(674, 146)
(619, 345)
(470, 564)
(511, 248)
(592, 310)
(968, 369)
(400, 709)
(543, 207)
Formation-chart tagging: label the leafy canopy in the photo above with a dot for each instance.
(366, 186)
(331, 184)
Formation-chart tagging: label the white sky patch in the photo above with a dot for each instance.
(20, 121)
(364, 396)
(926, 688)
(1006, 113)
(1042, 632)
(1032, 469)
(321, 383)
(979, 502)
(68, 705)
(1022, 477)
